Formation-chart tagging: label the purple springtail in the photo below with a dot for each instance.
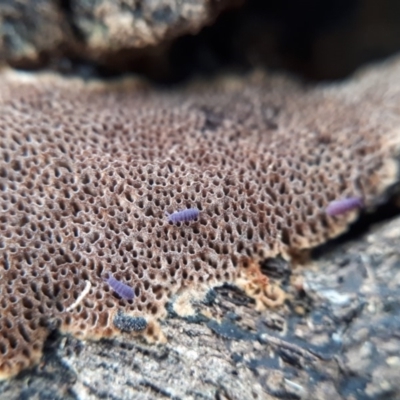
(123, 290)
(183, 216)
(338, 207)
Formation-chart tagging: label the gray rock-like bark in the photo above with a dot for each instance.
(31, 29)
(33, 32)
(337, 337)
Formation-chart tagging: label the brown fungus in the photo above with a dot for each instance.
(88, 170)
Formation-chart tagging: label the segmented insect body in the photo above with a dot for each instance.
(338, 207)
(123, 290)
(183, 216)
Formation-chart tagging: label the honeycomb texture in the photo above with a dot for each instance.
(89, 170)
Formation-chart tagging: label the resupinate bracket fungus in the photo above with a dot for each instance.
(88, 168)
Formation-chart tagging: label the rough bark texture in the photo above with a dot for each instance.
(320, 40)
(30, 29)
(336, 338)
(33, 31)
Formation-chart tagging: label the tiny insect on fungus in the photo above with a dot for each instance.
(187, 215)
(123, 290)
(338, 207)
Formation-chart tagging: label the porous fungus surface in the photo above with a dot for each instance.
(89, 170)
